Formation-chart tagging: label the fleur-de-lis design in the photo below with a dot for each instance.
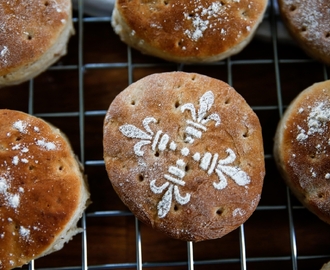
(132, 131)
(207, 162)
(210, 164)
(240, 177)
(199, 119)
(173, 182)
(147, 136)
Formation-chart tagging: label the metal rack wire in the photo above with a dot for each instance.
(287, 209)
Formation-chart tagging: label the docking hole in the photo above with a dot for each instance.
(29, 36)
(140, 177)
(244, 13)
(293, 8)
(219, 211)
(246, 133)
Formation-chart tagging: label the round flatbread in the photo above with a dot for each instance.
(33, 36)
(309, 24)
(184, 152)
(188, 31)
(302, 146)
(43, 192)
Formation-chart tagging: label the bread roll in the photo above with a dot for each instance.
(308, 23)
(188, 31)
(184, 152)
(33, 36)
(43, 192)
(302, 148)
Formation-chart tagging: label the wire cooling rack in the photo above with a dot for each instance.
(74, 95)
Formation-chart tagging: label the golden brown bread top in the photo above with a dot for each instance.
(188, 31)
(184, 152)
(308, 22)
(28, 29)
(302, 148)
(40, 187)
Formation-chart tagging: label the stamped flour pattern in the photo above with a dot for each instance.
(208, 162)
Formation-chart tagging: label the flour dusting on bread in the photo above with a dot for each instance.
(175, 147)
(308, 22)
(33, 36)
(301, 148)
(188, 31)
(317, 121)
(43, 192)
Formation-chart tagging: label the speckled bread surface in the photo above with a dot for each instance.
(33, 36)
(43, 192)
(184, 152)
(308, 23)
(302, 148)
(188, 31)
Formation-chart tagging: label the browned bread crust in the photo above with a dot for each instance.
(42, 189)
(308, 23)
(188, 31)
(33, 36)
(302, 147)
(184, 152)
